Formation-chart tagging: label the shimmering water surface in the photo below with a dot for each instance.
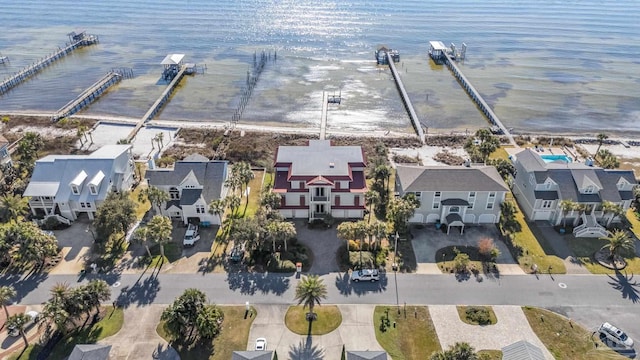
(543, 65)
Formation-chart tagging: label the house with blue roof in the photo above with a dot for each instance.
(192, 184)
(75, 185)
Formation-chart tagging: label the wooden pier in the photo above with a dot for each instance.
(323, 117)
(477, 98)
(159, 104)
(407, 102)
(90, 94)
(78, 40)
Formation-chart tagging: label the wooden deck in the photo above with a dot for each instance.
(406, 100)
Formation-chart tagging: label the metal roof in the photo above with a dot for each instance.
(522, 350)
(450, 178)
(90, 352)
(252, 355)
(437, 45)
(172, 59)
(367, 355)
(319, 158)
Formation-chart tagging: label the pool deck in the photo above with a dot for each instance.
(570, 152)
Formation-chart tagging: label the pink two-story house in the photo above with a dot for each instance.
(320, 179)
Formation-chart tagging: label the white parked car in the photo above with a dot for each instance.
(365, 275)
(261, 344)
(615, 335)
(33, 315)
(191, 235)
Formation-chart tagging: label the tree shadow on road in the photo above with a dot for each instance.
(24, 284)
(628, 288)
(305, 350)
(143, 292)
(250, 283)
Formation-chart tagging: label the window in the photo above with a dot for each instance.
(89, 205)
(589, 189)
(93, 189)
(437, 194)
(472, 194)
(74, 190)
(200, 209)
(471, 199)
(436, 205)
(82, 205)
(492, 194)
(532, 179)
(174, 194)
(418, 194)
(301, 186)
(454, 209)
(546, 204)
(489, 206)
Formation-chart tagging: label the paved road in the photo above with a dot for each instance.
(589, 299)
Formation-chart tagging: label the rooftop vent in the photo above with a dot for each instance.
(332, 165)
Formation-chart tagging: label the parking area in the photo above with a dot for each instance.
(427, 240)
(323, 243)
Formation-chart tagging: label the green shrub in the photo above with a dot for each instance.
(478, 315)
(367, 259)
(381, 257)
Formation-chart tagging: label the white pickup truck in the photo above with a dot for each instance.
(191, 236)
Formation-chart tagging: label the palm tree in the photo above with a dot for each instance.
(96, 292)
(371, 198)
(6, 294)
(160, 231)
(567, 206)
(56, 312)
(13, 207)
(285, 231)
(141, 236)
(601, 138)
(19, 322)
(234, 202)
(310, 290)
(618, 240)
(156, 197)
(458, 351)
(379, 230)
(216, 207)
(611, 210)
(360, 232)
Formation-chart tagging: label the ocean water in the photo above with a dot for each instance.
(543, 65)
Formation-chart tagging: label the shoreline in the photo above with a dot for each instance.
(269, 127)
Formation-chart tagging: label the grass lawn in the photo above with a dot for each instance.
(565, 339)
(329, 318)
(584, 248)
(110, 324)
(500, 153)
(634, 219)
(254, 195)
(142, 208)
(532, 251)
(491, 354)
(462, 312)
(412, 337)
(234, 336)
(172, 252)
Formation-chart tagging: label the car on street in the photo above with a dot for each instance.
(365, 275)
(13, 332)
(191, 236)
(237, 253)
(261, 344)
(615, 335)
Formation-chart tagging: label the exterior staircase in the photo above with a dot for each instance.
(590, 228)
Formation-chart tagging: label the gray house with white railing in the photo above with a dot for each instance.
(454, 196)
(540, 187)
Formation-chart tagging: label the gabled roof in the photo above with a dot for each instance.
(449, 178)
(90, 352)
(53, 174)
(319, 158)
(172, 59)
(522, 350)
(366, 355)
(252, 355)
(320, 180)
(190, 196)
(210, 174)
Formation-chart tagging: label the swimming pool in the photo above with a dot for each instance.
(553, 158)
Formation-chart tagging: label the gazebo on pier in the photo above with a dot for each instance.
(172, 64)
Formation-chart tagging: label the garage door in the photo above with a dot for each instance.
(542, 215)
(338, 214)
(417, 219)
(469, 218)
(301, 213)
(287, 213)
(486, 219)
(432, 218)
(354, 214)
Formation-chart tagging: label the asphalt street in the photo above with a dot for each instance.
(588, 299)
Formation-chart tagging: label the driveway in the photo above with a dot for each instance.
(138, 338)
(76, 242)
(512, 326)
(428, 240)
(324, 245)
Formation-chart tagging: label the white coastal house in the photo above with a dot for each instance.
(453, 195)
(73, 185)
(319, 180)
(191, 184)
(541, 184)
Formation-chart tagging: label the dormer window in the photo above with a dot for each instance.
(174, 194)
(77, 182)
(95, 182)
(589, 189)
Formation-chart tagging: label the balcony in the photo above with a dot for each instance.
(320, 198)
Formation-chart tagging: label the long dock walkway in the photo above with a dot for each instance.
(477, 98)
(405, 99)
(159, 104)
(88, 96)
(323, 118)
(22, 75)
